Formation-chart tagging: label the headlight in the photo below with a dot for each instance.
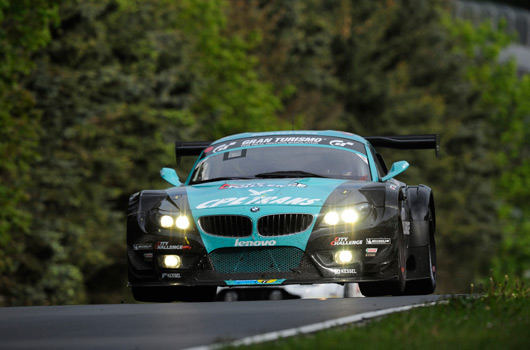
(343, 257)
(166, 221)
(181, 222)
(331, 218)
(170, 261)
(347, 215)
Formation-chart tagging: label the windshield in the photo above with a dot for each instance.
(282, 162)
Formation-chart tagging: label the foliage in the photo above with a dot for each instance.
(401, 71)
(118, 84)
(507, 97)
(294, 56)
(24, 28)
(114, 83)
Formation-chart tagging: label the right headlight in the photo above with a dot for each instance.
(346, 215)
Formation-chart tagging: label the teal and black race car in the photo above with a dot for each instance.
(287, 207)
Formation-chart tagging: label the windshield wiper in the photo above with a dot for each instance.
(222, 179)
(288, 173)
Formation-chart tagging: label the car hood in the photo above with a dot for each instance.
(303, 192)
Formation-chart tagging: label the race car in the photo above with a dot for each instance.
(280, 208)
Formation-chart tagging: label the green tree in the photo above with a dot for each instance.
(402, 73)
(294, 56)
(506, 96)
(118, 84)
(24, 28)
(393, 67)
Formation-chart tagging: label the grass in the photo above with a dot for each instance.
(497, 319)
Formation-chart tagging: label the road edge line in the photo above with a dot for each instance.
(311, 328)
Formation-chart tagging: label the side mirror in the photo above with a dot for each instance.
(170, 175)
(397, 168)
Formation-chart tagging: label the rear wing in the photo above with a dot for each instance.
(189, 148)
(430, 141)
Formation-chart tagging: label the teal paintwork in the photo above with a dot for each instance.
(170, 175)
(271, 196)
(373, 168)
(397, 168)
(253, 282)
(328, 133)
(331, 133)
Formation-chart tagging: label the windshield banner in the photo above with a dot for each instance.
(286, 140)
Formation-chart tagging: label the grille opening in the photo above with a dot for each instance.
(284, 224)
(226, 225)
(256, 259)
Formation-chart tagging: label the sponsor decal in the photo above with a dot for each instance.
(344, 271)
(277, 140)
(257, 142)
(148, 256)
(393, 187)
(285, 139)
(346, 241)
(258, 193)
(378, 241)
(247, 282)
(371, 252)
(167, 246)
(170, 275)
(259, 184)
(257, 200)
(340, 143)
(223, 147)
(239, 243)
(142, 246)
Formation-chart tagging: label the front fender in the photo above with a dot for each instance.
(421, 202)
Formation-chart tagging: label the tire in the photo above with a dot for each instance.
(376, 289)
(174, 293)
(231, 295)
(426, 285)
(276, 295)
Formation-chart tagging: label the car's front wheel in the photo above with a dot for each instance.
(426, 285)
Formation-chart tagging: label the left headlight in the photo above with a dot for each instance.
(346, 215)
(179, 221)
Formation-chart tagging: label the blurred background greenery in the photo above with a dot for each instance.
(93, 94)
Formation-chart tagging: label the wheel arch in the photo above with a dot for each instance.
(422, 210)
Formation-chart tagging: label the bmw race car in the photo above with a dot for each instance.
(279, 208)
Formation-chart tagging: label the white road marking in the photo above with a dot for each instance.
(260, 338)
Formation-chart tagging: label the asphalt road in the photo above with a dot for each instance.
(173, 325)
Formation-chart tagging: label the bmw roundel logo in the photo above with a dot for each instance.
(254, 209)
